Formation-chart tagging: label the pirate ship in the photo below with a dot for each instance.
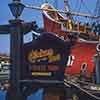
(79, 66)
(66, 29)
(80, 71)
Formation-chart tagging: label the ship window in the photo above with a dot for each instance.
(70, 61)
(0, 66)
(84, 66)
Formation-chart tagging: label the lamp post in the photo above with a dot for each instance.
(16, 50)
(17, 30)
(16, 8)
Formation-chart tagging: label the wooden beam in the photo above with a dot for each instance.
(62, 11)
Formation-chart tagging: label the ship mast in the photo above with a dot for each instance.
(67, 8)
(97, 11)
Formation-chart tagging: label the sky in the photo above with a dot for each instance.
(29, 15)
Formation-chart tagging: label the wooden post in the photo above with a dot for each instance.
(54, 94)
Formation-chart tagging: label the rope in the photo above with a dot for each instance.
(46, 1)
(84, 4)
(80, 6)
(83, 90)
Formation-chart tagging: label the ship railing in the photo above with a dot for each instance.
(79, 87)
(76, 27)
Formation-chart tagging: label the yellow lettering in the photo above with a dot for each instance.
(34, 55)
(54, 58)
(42, 55)
(41, 73)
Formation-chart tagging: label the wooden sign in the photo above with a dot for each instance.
(45, 58)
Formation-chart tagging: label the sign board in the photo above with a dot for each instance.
(45, 58)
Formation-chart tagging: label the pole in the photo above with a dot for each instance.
(16, 64)
(61, 11)
(16, 28)
(97, 63)
(16, 44)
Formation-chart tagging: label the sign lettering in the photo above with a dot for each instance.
(51, 68)
(43, 55)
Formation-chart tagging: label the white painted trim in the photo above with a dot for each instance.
(86, 41)
(46, 14)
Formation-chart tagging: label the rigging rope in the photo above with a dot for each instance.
(46, 1)
(78, 9)
(84, 4)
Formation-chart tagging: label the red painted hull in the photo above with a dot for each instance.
(83, 53)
